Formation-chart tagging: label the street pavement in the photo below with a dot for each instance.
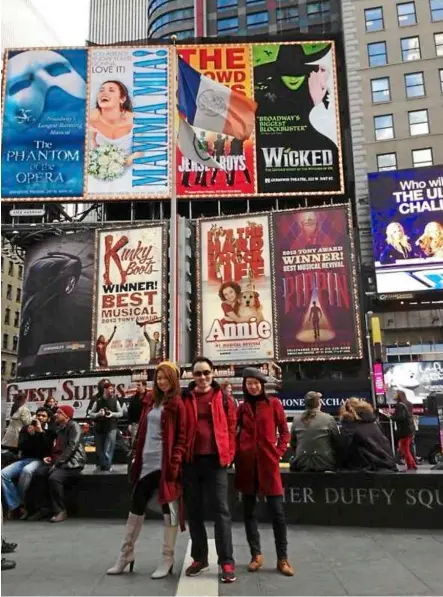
(71, 559)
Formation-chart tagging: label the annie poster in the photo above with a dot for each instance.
(231, 66)
(43, 135)
(235, 289)
(128, 123)
(129, 322)
(315, 286)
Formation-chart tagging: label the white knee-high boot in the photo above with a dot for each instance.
(170, 536)
(126, 557)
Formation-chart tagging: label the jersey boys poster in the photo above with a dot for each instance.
(130, 310)
(128, 122)
(235, 289)
(297, 122)
(316, 288)
(407, 229)
(229, 65)
(44, 124)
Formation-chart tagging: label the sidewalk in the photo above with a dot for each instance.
(71, 559)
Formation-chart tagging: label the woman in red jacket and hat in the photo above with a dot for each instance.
(257, 469)
(159, 448)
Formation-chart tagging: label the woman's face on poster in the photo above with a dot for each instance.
(397, 231)
(109, 96)
(323, 75)
(434, 230)
(229, 294)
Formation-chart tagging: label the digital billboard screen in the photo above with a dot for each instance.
(407, 229)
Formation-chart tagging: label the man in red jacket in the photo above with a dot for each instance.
(212, 422)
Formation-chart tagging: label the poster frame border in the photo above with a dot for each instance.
(198, 246)
(355, 295)
(164, 285)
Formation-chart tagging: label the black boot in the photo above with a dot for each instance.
(8, 564)
(8, 547)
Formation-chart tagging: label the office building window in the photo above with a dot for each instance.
(384, 127)
(20, 272)
(7, 316)
(377, 54)
(16, 319)
(380, 89)
(248, 2)
(11, 268)
(14, 343)
(422, 157)
(436, 10)
(3, 367)
(170, 17)
(410, 48)
(18, 296)
(288, 14)
(318, 10)
(13, 369)
(418, 122)
(9, 292)
(224, 25)
(415, 85)
(257, 19)
(440, 72)
(225, 4)
(5, 341)
(374, 19)
(154, 4)
(406, 14)
(386, 161)
(438, 39)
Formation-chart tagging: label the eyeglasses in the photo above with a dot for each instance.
(206, 373)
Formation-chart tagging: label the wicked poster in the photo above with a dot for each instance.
(315, 285)
(298, 144)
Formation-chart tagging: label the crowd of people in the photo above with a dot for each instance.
(184, 442)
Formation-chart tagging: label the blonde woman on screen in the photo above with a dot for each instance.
(398, 245)
(431, 241)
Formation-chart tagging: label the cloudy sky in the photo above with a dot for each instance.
(69, 18)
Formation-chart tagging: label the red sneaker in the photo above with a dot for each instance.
(196, 568)
(228, 573)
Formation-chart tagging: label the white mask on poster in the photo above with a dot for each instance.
(30, 76)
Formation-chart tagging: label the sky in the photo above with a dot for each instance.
(69, 18)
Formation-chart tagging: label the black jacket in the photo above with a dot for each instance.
(364, 445)
(135, 408)
(38, 445)
(403, 420)
(70, 442)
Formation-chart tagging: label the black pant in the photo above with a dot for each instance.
(143, 492)
(206, 476)
(277, 515)
(49, 486)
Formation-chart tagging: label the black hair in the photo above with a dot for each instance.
(19, 400)
(42, 409)
(203, 360)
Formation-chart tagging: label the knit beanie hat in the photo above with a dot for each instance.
(67, 410)
(170, 365)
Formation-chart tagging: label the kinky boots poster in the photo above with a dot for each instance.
(298, 144)
(317, 308)
(129, 320)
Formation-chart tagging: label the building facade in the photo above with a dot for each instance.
(12, 276)
(159, 19)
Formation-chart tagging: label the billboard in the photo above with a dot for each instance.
(128, 123)
(316, 295)
(95, 123)
(231, 66)
(55, 326)
(407, 228)
(44, 124)
(234, 289)
(298, 146)
(417, 380)
(130, 309)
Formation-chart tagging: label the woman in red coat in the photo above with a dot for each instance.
(257, 470)
(159, 448)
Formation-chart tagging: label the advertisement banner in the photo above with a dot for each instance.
(417, 380)
(316, 285)
(235, 289)
(298, 143)
(231, 66)
(128, 128)
(56, 312)
(130, 297)
(44, 124)
(407, 228)
(74, 391)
